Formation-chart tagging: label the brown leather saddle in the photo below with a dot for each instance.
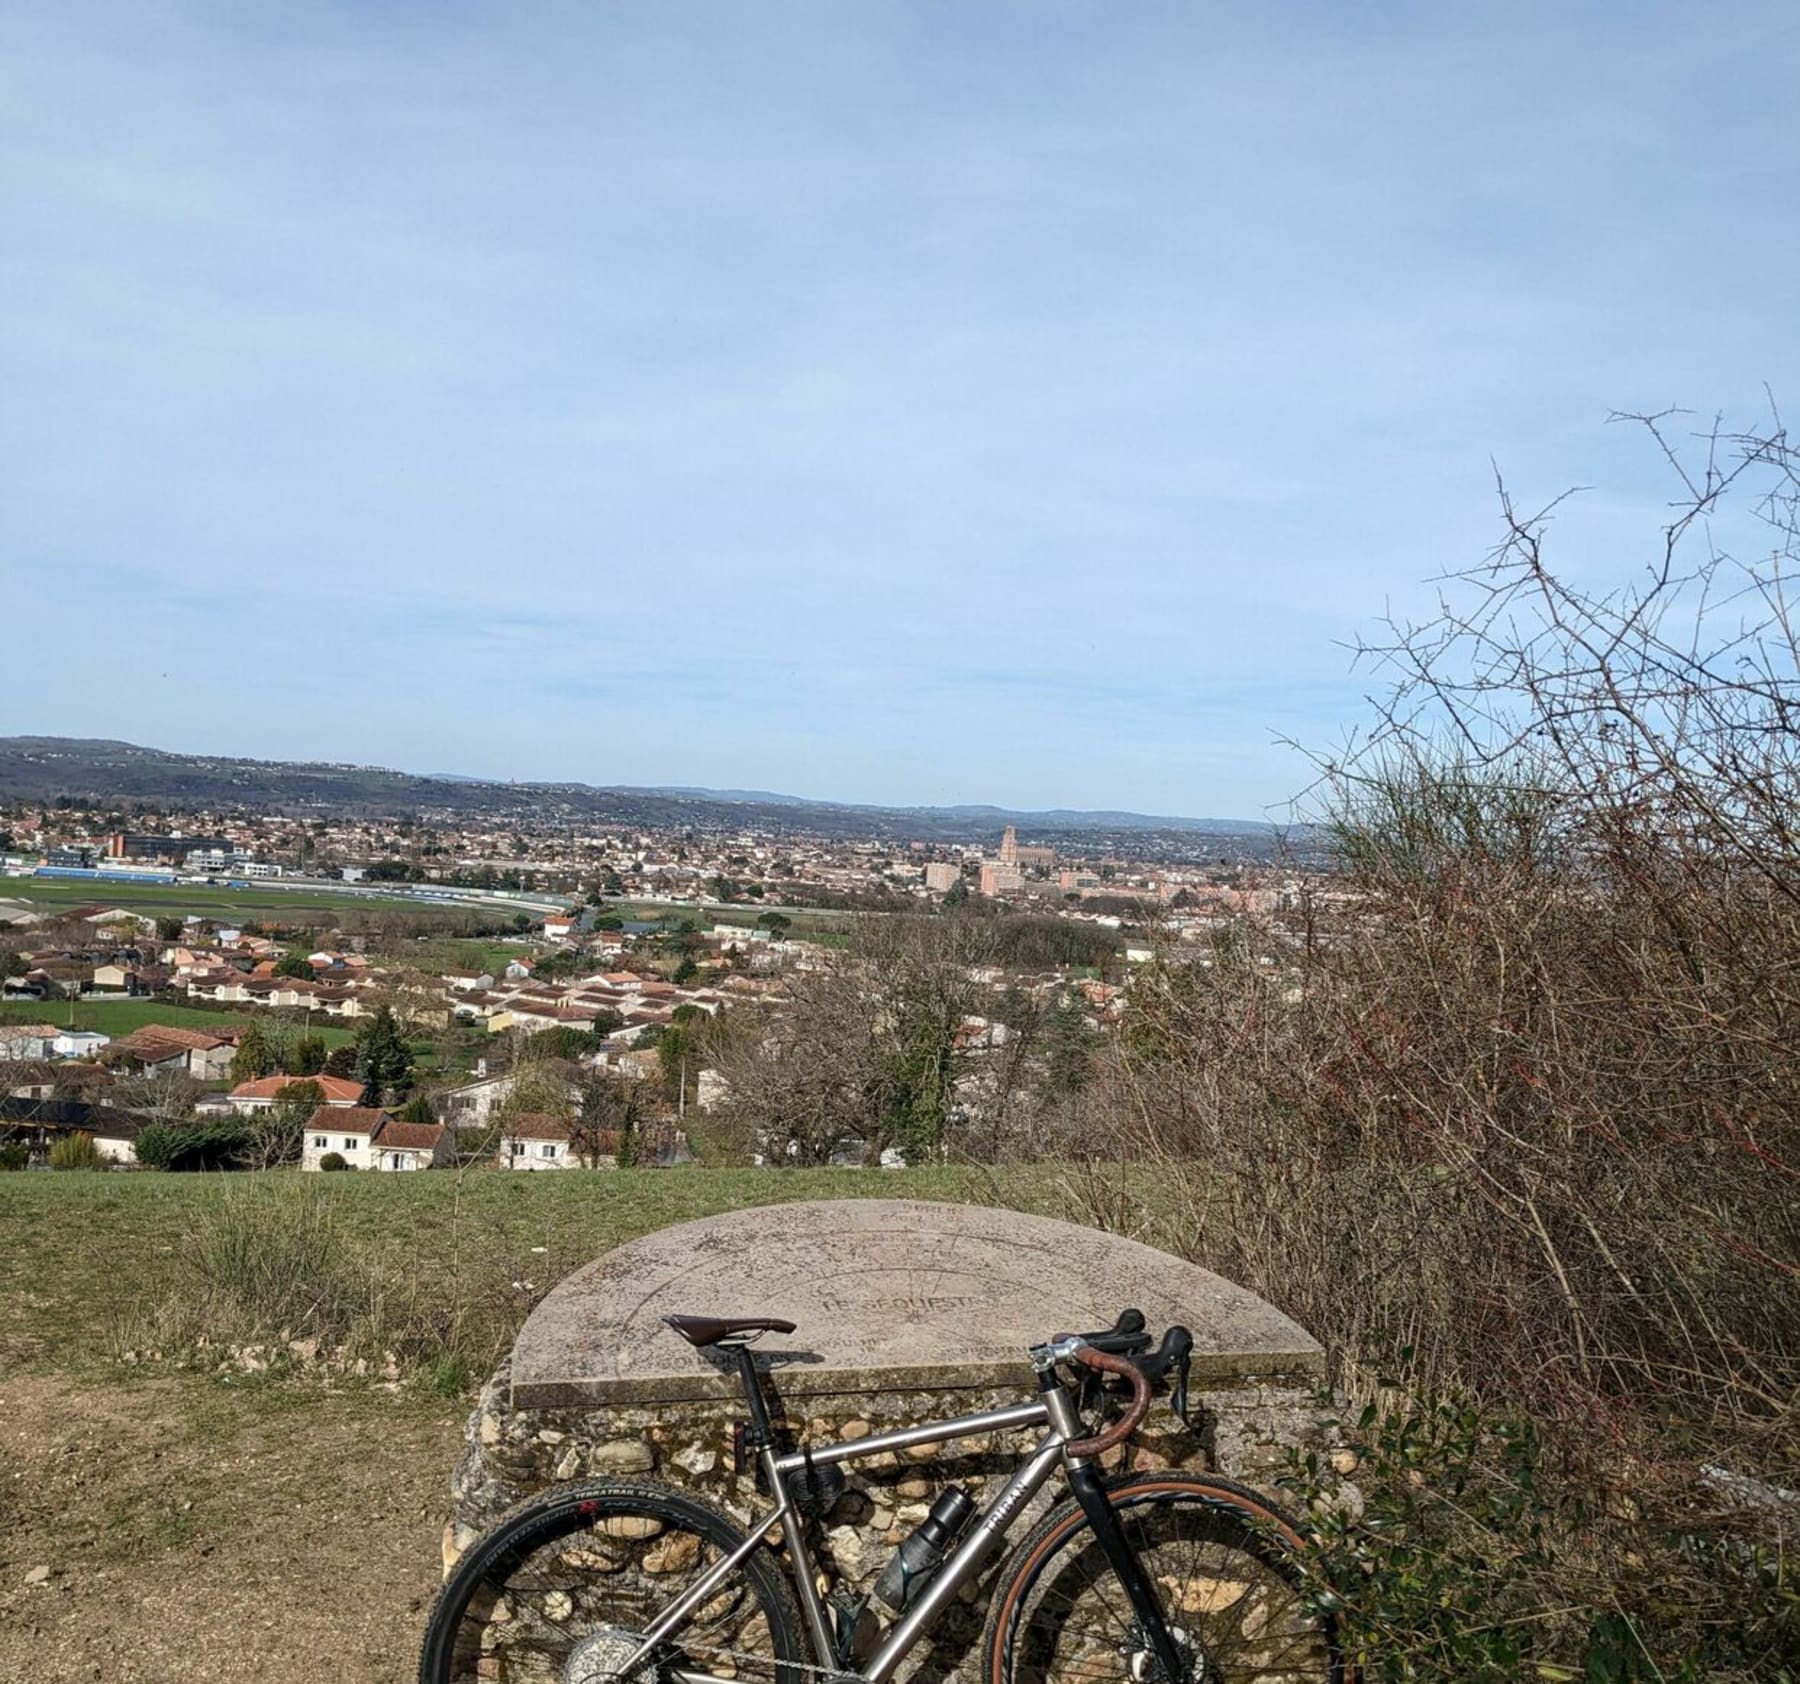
(726, 1330)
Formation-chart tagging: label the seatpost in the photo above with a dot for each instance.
(762, 1435)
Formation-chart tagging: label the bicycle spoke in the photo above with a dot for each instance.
(572, 1609)
(1225, 1597)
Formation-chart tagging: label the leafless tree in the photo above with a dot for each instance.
(874, 1047)
(275, 1134)
(1523, 1111)
(610, 1121)
(167, 1095)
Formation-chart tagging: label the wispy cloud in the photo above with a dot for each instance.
(996, 401)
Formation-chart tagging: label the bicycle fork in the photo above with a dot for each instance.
(1090, 1492)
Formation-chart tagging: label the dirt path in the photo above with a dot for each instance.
(196, 1532)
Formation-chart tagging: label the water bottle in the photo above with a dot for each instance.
(920, 1555)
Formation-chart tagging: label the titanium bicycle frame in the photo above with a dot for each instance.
(1053, 1410)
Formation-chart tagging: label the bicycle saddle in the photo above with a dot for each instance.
(713, 1330)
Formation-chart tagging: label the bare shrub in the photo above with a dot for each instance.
(865, 1048)
(1522, 1101)
(1513, 1113)
(901, 1043)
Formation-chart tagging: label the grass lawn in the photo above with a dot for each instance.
(818, 924)
(120, 1017)
(453, 953)
(169, 899)
(316, 908)
(85, 1252)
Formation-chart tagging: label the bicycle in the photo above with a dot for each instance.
(1156, 1578)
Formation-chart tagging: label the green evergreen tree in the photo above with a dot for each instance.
(675, 1056)
(309, 1056)
(383, 1059)
(1074, 1046)
(253, 1059)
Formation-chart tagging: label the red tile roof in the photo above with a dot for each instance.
(534, 1125)
(346, 1119)
(155, 1038)
(341, 1088)
(415, 1137)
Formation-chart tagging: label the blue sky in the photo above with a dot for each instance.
(928, 402)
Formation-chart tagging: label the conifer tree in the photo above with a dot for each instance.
(252, 1060)
(383, 1059)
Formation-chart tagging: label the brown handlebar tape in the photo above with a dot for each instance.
(1130, 1421)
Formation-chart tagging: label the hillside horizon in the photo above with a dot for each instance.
(46, 767)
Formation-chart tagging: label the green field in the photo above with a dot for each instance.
(49, 895)
(452, 953)
(88, 1255)
(120, 1017)
(170, 899)
(816, 924)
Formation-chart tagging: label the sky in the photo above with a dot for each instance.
(1026, 403)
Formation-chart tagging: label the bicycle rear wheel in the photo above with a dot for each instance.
(1220, 1557)
(561, 1590)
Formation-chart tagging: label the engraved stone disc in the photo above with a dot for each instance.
(885, 1293)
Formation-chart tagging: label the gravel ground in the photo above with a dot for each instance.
(182, 1530)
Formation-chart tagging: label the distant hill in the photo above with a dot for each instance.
(44, 768)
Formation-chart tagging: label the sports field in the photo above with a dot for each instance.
(170, 899)
(121, 1017)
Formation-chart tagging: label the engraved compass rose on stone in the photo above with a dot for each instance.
(884, 1293)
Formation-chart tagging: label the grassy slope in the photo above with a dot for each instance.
(81, 1250)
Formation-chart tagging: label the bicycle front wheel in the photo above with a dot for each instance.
(1222, 1560)
(562, 1590)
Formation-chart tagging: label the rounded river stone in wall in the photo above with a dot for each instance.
(884, 1293)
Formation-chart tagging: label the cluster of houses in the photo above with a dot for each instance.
(579, 978)
(45, 1093)
(102, 952)
(233, 969)
(363, 1138)
(40, 1055)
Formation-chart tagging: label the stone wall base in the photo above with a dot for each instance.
(1244, 1431)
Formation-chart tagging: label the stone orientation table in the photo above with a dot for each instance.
(905, 1311)
(884, 1294)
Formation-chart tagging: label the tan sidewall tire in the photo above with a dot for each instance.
(1066, 1521)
